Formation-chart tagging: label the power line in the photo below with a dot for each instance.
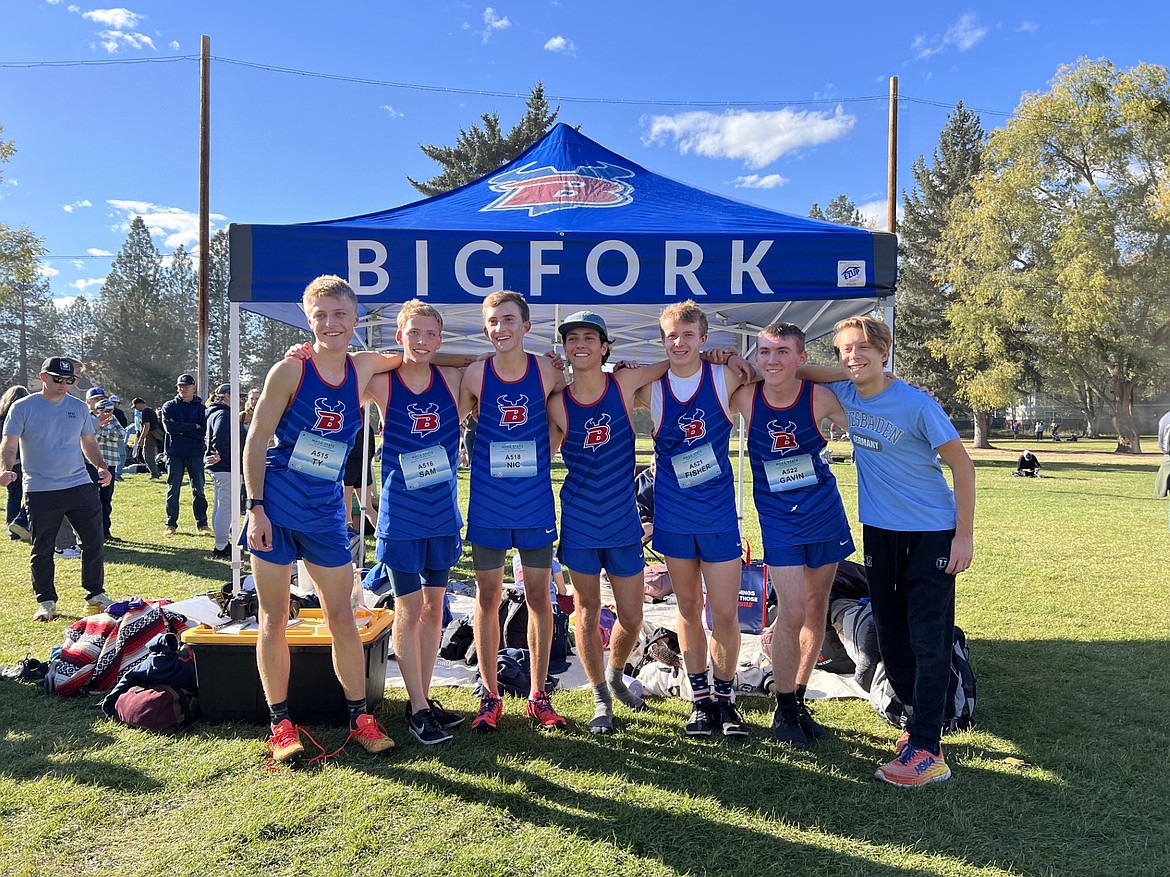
(480, 92)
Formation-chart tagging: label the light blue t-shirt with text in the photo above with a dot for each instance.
(50, 441)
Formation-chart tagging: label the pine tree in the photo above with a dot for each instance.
(923, 296)
(28, 330)
(842, 211)
(480, 151)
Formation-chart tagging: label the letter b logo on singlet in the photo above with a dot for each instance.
(513, 413)
(328, 420)
(597, 431)
(423, 420)
(693, 425)
(783, 437)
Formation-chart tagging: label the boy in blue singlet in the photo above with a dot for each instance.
(918, 534)
(600, 527)
(801, 515)
(695, 523)
(511, 502)
(419, 520)
(295, 508)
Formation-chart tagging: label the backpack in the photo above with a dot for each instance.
(514, 620)
(458, 641)
(161, 708)
(558, 652)
(658, 585)
(514, 674)
(662, 646)
(959, 712)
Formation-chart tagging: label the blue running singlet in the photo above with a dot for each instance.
(303, 470)
(694, 491)
(420, 455)
(511, 487)
(795, 491)
(598, 506)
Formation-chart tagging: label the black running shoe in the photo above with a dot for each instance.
(786, 728)
(425, 729)
(813, 729)
(443, 716)
(703, 718)
(730, 721)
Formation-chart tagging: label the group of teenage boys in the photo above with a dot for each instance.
(918, 534)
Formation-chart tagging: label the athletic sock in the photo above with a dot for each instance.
(616, 680)
(723, 688)
(800, 690)
(356, 708)
(601, 697)
(700, 685)
(277, 712)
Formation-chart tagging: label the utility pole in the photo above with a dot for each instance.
(204, 212)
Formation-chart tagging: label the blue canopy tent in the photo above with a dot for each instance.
(571, 224)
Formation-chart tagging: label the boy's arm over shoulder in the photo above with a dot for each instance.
(631, 380)
(369, 363)
(551, 377)
(955, 455)
(822, 374)
(469, 389)
(826, 404)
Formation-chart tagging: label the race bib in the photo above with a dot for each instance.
(319, 457)
(426, 467)
(513, 459)
(696, 466)
(787, 474)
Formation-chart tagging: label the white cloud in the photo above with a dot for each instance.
(755, 181)
(99, 253)
(561, 44)
(52, 2)
(756, 138)
(112, 40)
(876, 213)
(115, 19)
(76, 10)
(77, 263)
(174, 225)
(47, 271)
(83, 285)
(12, 181)
(174, 45)
(963, 34)
(393, 113)
(493, 22)
(69, 208)
(1028, 27)
(62, 302)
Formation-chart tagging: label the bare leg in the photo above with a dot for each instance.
(540, 622)
(334, 587)
(787, 648)
(688, 589)
(407, 630)
(628, 592)
(489, 589)
(723, 595)
(430, 634)
(272, 657)
(818, 583)
(587, 624)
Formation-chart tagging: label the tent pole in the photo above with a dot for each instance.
(892, 196)
(237, 451)
(743, 346)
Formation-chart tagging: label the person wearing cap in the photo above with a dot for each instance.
(1027, 466)
(55, 435)
(592, 421)
(218, 459)
(150, 434)
(185, 423)
(111, 439)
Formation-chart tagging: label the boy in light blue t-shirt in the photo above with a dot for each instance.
(918, 535)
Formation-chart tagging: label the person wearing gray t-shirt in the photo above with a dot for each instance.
(55, 436)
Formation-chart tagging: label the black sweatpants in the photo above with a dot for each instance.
(913, 603)
(46, 509)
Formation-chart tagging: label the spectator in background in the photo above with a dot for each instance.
(16, 518)
(218, 458)
(111, 439)
(55, 436)
(185, 423)
(1015, 429)
(150, 436)
(1027, 466)
(250, 406)
(469, 426)
(644, 494)
(1039, 429)
(120, 416)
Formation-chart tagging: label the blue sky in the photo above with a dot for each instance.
(755, 100)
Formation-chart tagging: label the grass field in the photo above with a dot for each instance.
(1065, 607)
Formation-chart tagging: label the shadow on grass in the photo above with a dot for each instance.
(43, 734)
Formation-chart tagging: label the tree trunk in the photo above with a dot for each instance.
(1088, 408)
(982, 431)
(1129, 440)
